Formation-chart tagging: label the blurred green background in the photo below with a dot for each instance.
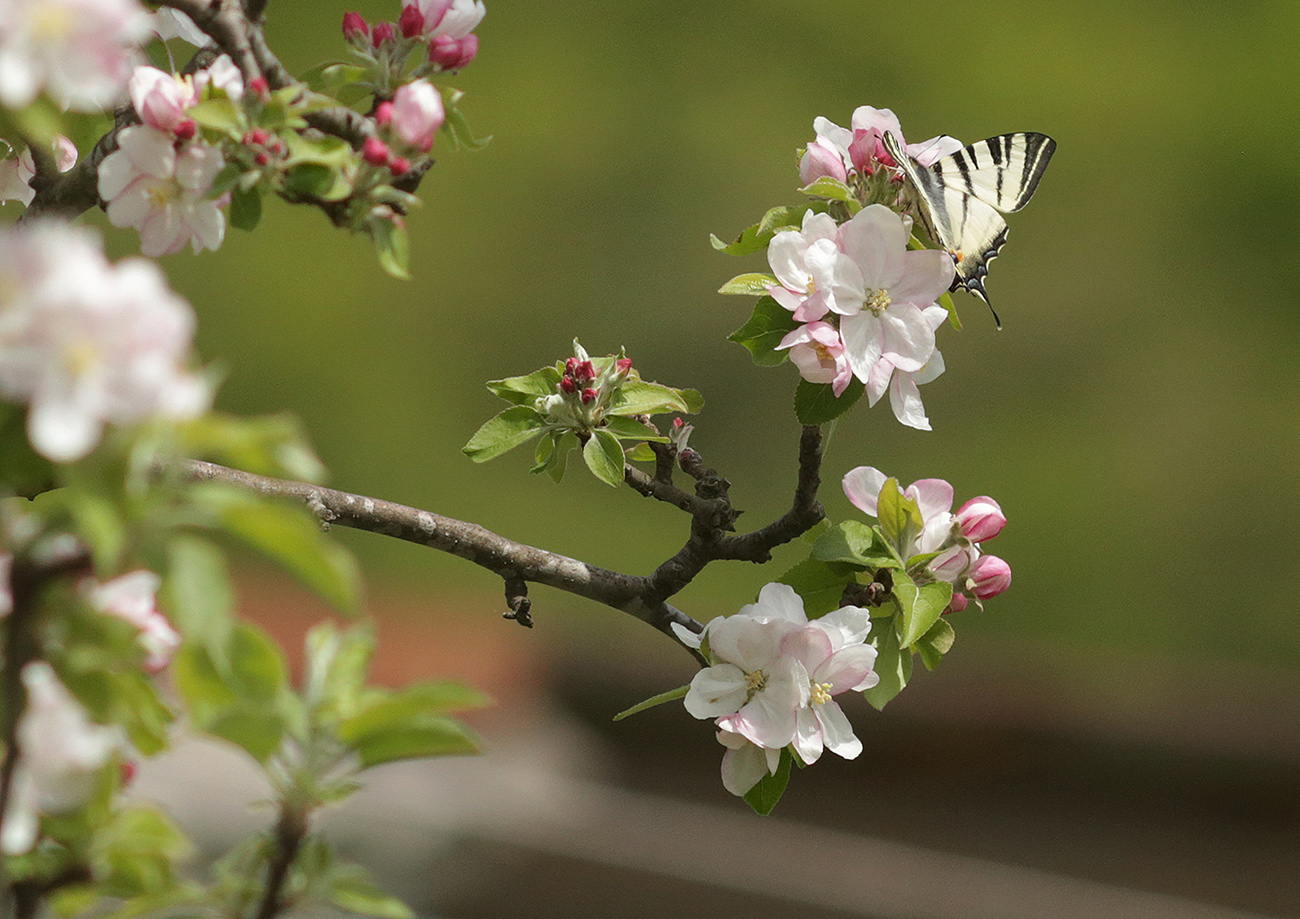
(1136, 418)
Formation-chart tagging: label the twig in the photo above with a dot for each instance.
(290, 830)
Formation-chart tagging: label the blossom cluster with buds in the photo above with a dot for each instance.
(771, 682)
(442, 31)
(584, 394)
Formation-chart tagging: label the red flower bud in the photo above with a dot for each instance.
(624, 364)
(567, 386)
(375, 152)
(257, 137)
(399, 166)
(259, 87)
(262, 158)
(956, 604)
(355, 27)
(570, 364)
(384, 114)
(589, 396)
(584, 372)
(411, 21)
(384, 33)
(186, 129)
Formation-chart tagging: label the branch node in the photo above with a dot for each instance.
(517, 600)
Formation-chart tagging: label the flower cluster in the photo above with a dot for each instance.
(855, 155)
(159, 178)
(86, 343)
(954, 540)
(79, 52)
(772, 680)
(584, 394)
(409, 122)
(442, 29)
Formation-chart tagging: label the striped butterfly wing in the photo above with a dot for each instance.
(961, 198)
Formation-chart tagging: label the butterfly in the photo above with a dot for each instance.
(960, 199)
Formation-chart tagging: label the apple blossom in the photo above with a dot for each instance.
(903, 385)
(884, 299)
(60, 750)
(79, 51)
(838, 151)
(816, 349)
(453, 18)
(162, 191)
(745, 763)
(222, 75)
(981, 519)
(989, 576)
(810, 267)
(86, 343)
(6, 592)
(17, 172)
(161, 99)
(417, 114)
(131, 598)
(169, 23)
(862, 486)
(448, 53)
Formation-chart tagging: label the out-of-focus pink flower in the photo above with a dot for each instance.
(86, 343)
(223, 75)
(161, 99)
(6, 592)
(162, 191)
(418, 113)
(17, 172)
(456, 18)
(375, 152)
(989, 576)
(449, 53)
(411, 22)
(59, 751)
(81, 52)
(133, 599)
(981, 519)
(816, 349)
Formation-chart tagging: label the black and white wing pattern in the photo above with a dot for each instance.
(961, 198)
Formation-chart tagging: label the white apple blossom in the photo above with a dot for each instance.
(132, 598)
(745, 763)
(810, 267)
(417, 114)
(453, 18)
(17, 172)
(903, 385)
(816, 349)
(60, 750)
(79, 51)
(162, 191)
(86, 343)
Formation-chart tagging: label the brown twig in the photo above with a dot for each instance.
(290, 830)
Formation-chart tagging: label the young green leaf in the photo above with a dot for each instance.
(245, 208)
(893, 665)
(769, 323)
(820, 585)
(503, 432)
(816, 403)
(526, 390)
(854, 543)
(626, 428)
(604, 457)
(764, 796)
(936, 643)
(669, 696)
(921, 605)
(900, 516)
(391, 245)
(756, 238)
(749, 285)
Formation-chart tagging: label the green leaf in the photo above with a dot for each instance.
(409, 707)
(604, 457)
(219, 114)
(503, 432)
(816, 403)
(669, 696)
(393, 247)
(641, 453)
(318, 181)
(270, 445)
(356, 893)
(893, 665)
(935, 643)
(325, 150)
(526, 390)
(258, 733)
(769, 323)
(640, 397)
(749, 285)
(764, 796)
(257, 669)
(821, 585)
(245, 208)
(921, 605)
(457, 128)
(855, 543)
(946, 302)
(337, 664)
(756, 238)
(900, 517)
(834, 190)
(567, 443)
(416, 740)
(631, 429)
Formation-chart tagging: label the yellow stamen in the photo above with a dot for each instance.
(821, 693)
(877, 301)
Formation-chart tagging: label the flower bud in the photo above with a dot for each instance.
(447, 53)
(951, 564)
(589, 396)
(375, 152)
(383, 34)
(411, 22)
(570, 364)
(567, 385)
(981, 519)
(259, 88)
(258, 137)
(355, 29)
(262, 158)
(584, 372)
(958, 603)
(186, 129)
(624, 365)
(990, 577)
(384, 114)
(399, 166)
(418, 113)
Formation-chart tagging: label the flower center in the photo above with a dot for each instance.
(162, 194)
(823, 353)
(79, 357)
(755, 680)
(52, 22)
(821, 693)
(877, 301)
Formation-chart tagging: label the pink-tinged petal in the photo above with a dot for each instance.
(843, 376)
(115, 174)
(927, 275)
(785, 254)
(876, 241)
(862, 487)
(932, 370)
(878, 380)
(781, 602)
(929, 152)
(932, 496)
(787, 299)
(743, 765)
(197, 167)
(686, 636)
(848, 625)
(813, 308)
(716, 690)
(905, 400)
(810, 365)
(837, 733)
(809, 645)
(989, 577)
(768, 720)
(981, 519)
(951, 565)
(13, 182)
(65, 152)
(906, 337)
(876, 120)
(207, 226)
(150, 150)
(817, 226)
(808, 737)
(863, 346)
(847, 668)
(819, 160)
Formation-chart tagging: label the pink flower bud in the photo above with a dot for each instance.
(384, 114)
(186, 129)
(624, 365)
(375, 152)
(567, 386)
(418, 113)
(411, 22)
(589, 396)
(257, 137)
(262, 158)
(355, 28)
(584, 372)
(570, 365)
(958, 603)
(990, 577)
(821, 160)
(981, 519)
(951, 565)
(259, 87)
(383, 34)
(399, 166)
(447, 53)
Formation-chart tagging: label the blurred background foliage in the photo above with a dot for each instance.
(1136, 418)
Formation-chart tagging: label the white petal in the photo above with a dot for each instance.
(837, 732)
(862, 487)
(717, 690)
(862, 336)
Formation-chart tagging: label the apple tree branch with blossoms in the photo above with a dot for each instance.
(120, 487)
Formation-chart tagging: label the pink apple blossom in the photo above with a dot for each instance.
(162, 191)
(85, 343)
(989, 576)
(80, 52)
(449, 53)
(838, 151)
(132, 598)
(863, 485)
(810, 267)
(417, 114)
(17, 172)
(59, 752)
(454, 18)
(816, 349)
(981, 519)
(161, 99)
